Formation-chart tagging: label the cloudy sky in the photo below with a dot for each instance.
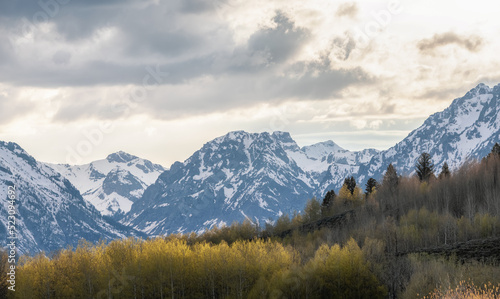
(82, 79)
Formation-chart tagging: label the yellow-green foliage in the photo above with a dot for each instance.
(312, 211)
(4, 269)
(333, 272)
(158, 268)
(345, 197)
(170, 268)
(423, 228)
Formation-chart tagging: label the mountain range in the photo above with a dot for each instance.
(50, 211)
(261, 176)
(255, 176)
(113, 184)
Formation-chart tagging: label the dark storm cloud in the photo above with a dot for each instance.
(472, 43)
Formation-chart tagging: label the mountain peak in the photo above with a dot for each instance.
(237, 134)
(233, 135)
(328, 143)
(52, 213)
(322, 149)
(121, 157)
(282, 137)
(480, 89)
(18, 151)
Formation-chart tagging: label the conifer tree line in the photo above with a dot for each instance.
(370, 256)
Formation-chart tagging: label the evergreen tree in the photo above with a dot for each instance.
(350, 183)
(424, 167)
(391, 177)
(328, 200)
(445, 171)
(371, 185)
(495, 150)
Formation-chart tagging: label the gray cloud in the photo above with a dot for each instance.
(27, 8)
(189, 59)
(21, 8)
(159, 37)
(265, 48)
(348, 9)
(5, 53)
(262, 70)
(303, 81)
(343, 46)
(143, 31)
(61, 57)
(280, 42)
(92, 73)
(318, 80)
(472, 43)
(200, 6)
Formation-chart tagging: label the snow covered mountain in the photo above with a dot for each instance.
(113, 184)
(231, 178)
(466, 130)
(50, 212)
(329, 164)
(256, 176)
(260, 176)
(238, 176)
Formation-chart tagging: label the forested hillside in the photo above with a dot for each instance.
(395, 240)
